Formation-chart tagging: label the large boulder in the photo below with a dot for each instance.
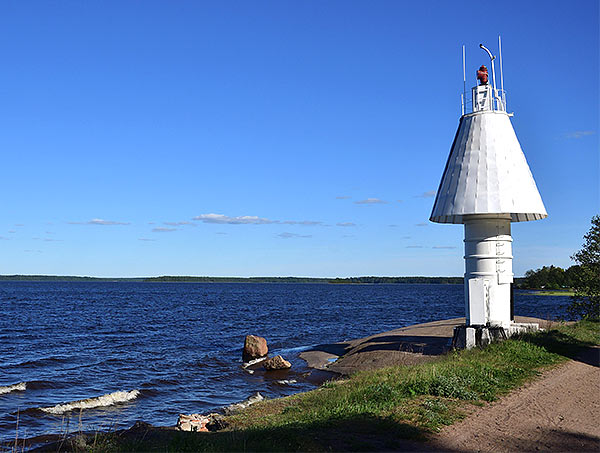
(276, 363)
(255, 347)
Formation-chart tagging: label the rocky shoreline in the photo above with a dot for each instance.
(404, 346)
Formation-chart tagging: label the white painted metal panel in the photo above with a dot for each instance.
(477, 294)
(487, 173)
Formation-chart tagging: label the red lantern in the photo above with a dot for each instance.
(482, 75)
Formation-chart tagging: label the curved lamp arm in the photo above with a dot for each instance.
(492, 58)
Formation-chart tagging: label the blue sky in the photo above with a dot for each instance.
(277, 138)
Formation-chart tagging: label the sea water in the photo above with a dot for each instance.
(102, 355)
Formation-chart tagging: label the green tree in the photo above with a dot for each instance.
(548, 277)
(586, 301)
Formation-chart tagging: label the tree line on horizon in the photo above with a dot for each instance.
(190, 279)
(551, 277)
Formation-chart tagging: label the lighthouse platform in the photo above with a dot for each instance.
(404, 346)
(467, 337)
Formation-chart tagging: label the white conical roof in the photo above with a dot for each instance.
(487, 173)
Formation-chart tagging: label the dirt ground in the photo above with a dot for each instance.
(559, 412)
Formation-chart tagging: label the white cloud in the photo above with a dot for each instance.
(99, 222)
(146, 240)
(240, 220)
(12, 231)
(443, 247)
(370, 201)
(346, 224)
(106, 222)
(579, 134)
(301, 222)
(286, 235)
(343, 197)
(428, 194)
(251, 220)
(422, 224)
(179, 223)
(414, 246)
(163, 230)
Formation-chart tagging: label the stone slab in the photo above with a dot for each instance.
(404, 346)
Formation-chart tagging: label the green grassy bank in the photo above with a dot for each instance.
(377, 410)
(558, 292)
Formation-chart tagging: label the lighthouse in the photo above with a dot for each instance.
(487, 185)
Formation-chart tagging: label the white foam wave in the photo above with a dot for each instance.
(109, 399)
(287, 351)
(20, 387)
(234, 408)
(286, 381)
(253, 362)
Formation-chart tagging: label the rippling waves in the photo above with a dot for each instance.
(70, 349)
(92, 403)
(20, 387)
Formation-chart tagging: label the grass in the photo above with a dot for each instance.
(583, 333)
(553, 292)
(381, 409)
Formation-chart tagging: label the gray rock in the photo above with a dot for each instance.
(217, 422)
(192, 422)
(235, 408)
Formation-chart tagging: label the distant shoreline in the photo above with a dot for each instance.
(190, 279)
(365, 280)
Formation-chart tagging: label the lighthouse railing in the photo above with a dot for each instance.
(498, 102)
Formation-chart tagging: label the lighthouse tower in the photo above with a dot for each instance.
(486, 185)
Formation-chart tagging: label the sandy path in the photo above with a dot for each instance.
(558, 412)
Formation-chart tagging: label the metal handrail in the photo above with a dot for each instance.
(499, 102)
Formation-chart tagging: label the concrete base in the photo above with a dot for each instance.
(467, 337)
